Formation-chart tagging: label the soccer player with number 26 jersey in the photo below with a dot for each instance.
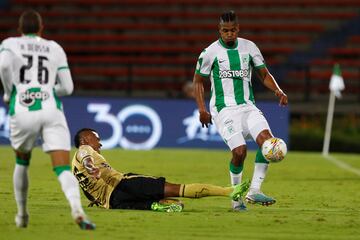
(34, 72)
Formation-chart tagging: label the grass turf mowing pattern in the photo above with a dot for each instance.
(315, 200)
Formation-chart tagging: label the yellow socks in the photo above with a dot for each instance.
(198, 190)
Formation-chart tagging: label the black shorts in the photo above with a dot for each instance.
(137, 192)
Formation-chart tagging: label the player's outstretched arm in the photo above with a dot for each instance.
(269, 81)
(205, 116)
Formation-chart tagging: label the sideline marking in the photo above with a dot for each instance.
(342, 165)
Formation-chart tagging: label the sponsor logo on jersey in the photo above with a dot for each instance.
(29, 97)
(234, 73)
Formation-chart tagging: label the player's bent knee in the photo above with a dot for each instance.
(263, 136)
(239, 153)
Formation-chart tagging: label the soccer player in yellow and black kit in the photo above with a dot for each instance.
(106, 187)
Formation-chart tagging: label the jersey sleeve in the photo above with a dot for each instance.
(5, 45)
(204, 64)
(62, 59)
(64, 85)
(84, 152)
(256, 56)
(64, 81)
(5, 69)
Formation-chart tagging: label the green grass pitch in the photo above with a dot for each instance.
(316, 200)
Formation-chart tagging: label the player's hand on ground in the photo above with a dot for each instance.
(282, 96)
(205, 119)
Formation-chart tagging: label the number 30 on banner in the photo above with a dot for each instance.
(116, 122)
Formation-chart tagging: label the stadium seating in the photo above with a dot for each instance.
(318, 72)
(143, 45)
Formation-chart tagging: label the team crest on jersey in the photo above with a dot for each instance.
(29, 97)
(245, 60)
(82, 153)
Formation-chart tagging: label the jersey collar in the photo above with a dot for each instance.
(226, 46)
(31, 35)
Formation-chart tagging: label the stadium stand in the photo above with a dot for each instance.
(150, 48)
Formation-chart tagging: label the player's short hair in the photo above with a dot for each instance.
(229, 16)
(30, 21)
(78, 136)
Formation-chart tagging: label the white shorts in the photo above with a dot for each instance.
(49, 125)
(235, 124)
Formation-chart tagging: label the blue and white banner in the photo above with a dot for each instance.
(147, 123)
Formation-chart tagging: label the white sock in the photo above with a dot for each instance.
(260, 170)
(70, 187)
(21, 185)
(235, 179)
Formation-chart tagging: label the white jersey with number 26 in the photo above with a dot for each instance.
(30, 67)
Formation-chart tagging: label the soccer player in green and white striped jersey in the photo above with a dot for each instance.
(228, 63)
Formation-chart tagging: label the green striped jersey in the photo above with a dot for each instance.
(230, 71)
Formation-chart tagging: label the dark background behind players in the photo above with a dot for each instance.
(129, 50)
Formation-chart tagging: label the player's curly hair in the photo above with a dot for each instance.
(30, 21)
(78, 135)
(228, 16)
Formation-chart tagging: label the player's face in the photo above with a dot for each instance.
(229, 32)
(94, 141)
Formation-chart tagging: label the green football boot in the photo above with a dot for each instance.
(239, 190)
(166, 207)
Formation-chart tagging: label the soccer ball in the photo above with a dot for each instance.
(274, 149)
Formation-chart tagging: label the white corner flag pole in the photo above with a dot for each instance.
(329, 119)
(336, 86)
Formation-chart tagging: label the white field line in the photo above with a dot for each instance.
(342, 165)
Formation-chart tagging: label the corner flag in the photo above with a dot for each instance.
(337, 81)
(336, 86)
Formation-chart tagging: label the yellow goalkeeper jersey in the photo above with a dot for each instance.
(96, 190)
